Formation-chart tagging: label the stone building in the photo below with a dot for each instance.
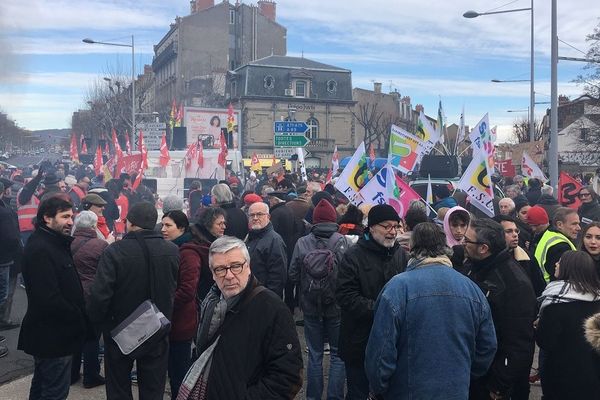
(192, 59)
(278, 88)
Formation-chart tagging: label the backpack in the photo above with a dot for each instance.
(320, 266)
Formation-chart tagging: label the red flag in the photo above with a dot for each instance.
(127, 143)
(329, 176)
(179, 117)
(83, 145)
(254, 163)
(568, 189)
(142, 148)
(173, 115)
(335, 161)
(164, 151)
(106, 148)
(190, 155)
(274, 160)
(200, 149)
(230, 120)
(222, 160)
(371, 153)
(138, 179)
(118, 151)
(98, 161)
(74, 151)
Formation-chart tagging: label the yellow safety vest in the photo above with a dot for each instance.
(549, 239)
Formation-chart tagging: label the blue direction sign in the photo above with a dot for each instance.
(290, 127)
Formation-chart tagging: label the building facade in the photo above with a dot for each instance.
(279, 88)
(191, 61)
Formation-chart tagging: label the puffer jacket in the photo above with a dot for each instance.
(268, 258)
(87, 249)
(365, 269)
(185, 311)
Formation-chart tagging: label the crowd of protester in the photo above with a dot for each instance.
(445, 303)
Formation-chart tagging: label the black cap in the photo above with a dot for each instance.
(143, 215)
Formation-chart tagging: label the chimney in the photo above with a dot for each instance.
(267, 8)
(147, 69)
(406, 100)
(419, 108)
(562, 99)
(377, 87)
(200, 5)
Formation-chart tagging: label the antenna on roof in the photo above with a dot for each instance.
(302, 53)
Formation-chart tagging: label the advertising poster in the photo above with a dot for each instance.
(206, 124)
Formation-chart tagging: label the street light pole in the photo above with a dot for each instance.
(553, 150)
(474, 14)
(132, 45)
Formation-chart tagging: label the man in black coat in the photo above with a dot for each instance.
(267, 249)
(236, 220)
(122, 283)
(246, 332)
(365, 269)
(512, 301)
(54, 326)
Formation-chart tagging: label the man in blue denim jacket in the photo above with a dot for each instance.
(433, 327)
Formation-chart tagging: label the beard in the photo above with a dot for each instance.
(383, 240)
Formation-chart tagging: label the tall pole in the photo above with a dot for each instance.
(532, 86)
(133, 88)
(553, 153)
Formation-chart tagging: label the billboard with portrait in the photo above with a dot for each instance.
(207, 124)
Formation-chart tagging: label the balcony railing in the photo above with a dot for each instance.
(325, 145)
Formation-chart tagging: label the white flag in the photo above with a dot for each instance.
(352, 178)
(335, 161)
(300, 152)
(530, 169)
(477, 184)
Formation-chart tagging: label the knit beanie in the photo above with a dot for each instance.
(537, 216)
(317, 197)
(143, 215)
(324, 212)
(382, 212)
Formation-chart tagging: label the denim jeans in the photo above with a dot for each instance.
(180, 360)
(315, 329)
(51, 378)
(358, 384)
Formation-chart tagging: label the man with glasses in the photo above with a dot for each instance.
(247, 340)
(512, 300)
(267, 249)
(364, 270)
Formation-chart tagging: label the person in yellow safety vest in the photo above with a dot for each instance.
(552, 242)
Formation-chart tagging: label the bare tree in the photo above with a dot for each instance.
(521, 130)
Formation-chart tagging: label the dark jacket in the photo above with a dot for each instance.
(236, 220)
(122, 282)
(319, 232)
(287, 225)
(533, 196)
(531, 268)
(299, 207)
(54, 324)
(268, 258)
(448, 202)
(513, 304)
(571, 366)
(270, 364)
(589, 211)
(87, 249)
(11, 249)
(201, 244)
(525, 235)
(550, 204)
(365, 268)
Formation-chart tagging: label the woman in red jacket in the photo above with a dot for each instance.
(175, 227)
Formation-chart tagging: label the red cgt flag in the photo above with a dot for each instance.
(222, 160)
(568, 188)
(127, 143)
(164, 152)
(98, 161)
(143, 150)
(73, 149)
(83, 145)
(200, 149)
(118, 151)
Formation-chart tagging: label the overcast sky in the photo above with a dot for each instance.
(425, 50)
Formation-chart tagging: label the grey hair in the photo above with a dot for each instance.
(508, 200)
(87, 219)
(514, 188)
(418, 204)
(227, 243)
(172, 203)
(222, 193)
(547, 189)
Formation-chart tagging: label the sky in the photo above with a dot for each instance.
(422, 49)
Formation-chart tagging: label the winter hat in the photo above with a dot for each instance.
(252, 198)
(382, 212)
(537, 216)
(143, 215)
(94, 199)
(324, 212)
(51, 179)
(317, 197)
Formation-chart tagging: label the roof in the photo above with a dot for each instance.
(294, 62)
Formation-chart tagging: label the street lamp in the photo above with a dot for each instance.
(510, 80)
(132, 45)
(475, 14)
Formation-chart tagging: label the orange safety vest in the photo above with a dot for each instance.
(26, 213)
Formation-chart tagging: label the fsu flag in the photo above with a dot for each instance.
(254, 163)
(98, 161)
(83, 145)
(568, 188)
(143, 150)
(73, 149)
(222, 160)
(127, 143)
(164, 152)
(118, 151)
(200, 150)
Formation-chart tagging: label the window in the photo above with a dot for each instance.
(233, 89)
(583, 133)
(231, 65)
(232, 17)
(313, 128)
(331, 86)
(269, 82)
(301, 89)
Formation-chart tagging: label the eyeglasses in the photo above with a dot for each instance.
(391, 227)
(222, 223)
(509, 231)
(235, 268)
(469, 241)
(584, 194)
(257, 215)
